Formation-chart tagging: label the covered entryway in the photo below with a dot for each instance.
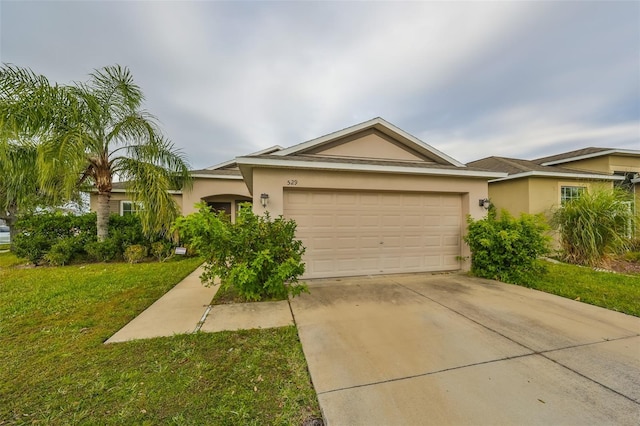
(349, 233)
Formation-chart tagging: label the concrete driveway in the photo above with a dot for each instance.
(450, 349)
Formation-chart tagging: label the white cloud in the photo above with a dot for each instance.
(468, 77)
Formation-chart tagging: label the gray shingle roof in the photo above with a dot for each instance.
(216, 172)
(514, 166)
(342, 160)
(571, 154)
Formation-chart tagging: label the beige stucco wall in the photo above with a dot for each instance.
(511, 195)
(533, 195)
(606, 164)
(116, 197)
(372, 146)
(227, 190)
(274, 181)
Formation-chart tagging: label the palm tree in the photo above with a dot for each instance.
(87, 134)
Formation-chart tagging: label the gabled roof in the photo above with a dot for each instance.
(232, 163)
(583, 154)
(313, 155)
(379, 124)
(517, 168)
(217, 174)
(229, 169)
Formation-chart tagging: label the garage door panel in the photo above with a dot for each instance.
(412, 242)
(343, 231)
(323, 243)
(346, 221)
(368, 200)
(369, 220)
(411, 262)
(369, 241)
(320, 266)
(451, 241)
(451, 261)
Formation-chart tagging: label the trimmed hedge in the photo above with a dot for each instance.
(58, 239)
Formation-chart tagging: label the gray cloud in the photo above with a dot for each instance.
(472, 79)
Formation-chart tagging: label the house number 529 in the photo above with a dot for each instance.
(292, 182)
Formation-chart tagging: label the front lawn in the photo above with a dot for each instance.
(617, 292)
(56, 369)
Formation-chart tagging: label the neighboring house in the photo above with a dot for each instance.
(368, 199)
(538, 186)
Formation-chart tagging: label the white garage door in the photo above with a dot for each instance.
(362, 233)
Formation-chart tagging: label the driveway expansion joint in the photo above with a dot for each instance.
(533, 352)
(430, 373)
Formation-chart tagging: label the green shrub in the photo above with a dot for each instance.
(126, 231)
(135, 253)
(161, 250)
(32, 247)
(506, 248)
(59, 239)
(37, 233)
(594, 226)
(63, 251)
(102, 251)
(258, 256)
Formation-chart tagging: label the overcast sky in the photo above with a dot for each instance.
(472, 79)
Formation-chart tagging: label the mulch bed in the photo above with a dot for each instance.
(624, 266)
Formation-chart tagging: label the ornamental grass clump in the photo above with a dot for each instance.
(257, 256)
(595, 226)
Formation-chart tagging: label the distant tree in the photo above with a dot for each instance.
(19, 187)
(85, 134)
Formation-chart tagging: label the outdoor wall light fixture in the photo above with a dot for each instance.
(264, 199)
(484, 202)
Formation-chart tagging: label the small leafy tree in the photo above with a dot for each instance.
(258, 256)
(506, 248)
(598, 223)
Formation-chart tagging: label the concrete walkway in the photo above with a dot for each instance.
(186, 309)
(450, 349)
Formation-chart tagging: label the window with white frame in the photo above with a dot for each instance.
(568, 193)
(129, 207)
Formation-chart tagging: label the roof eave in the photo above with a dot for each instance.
(124, 191)
(592, 155)
(214, 176)
(246, 163)
(587, 176)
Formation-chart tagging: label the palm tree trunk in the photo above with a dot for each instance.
(103, 215)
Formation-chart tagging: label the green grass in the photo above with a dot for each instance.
(56, 369)
(9, 259)
(5, 246)
(617, 292)
(231, 295)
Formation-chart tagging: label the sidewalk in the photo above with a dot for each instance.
(186, 309)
